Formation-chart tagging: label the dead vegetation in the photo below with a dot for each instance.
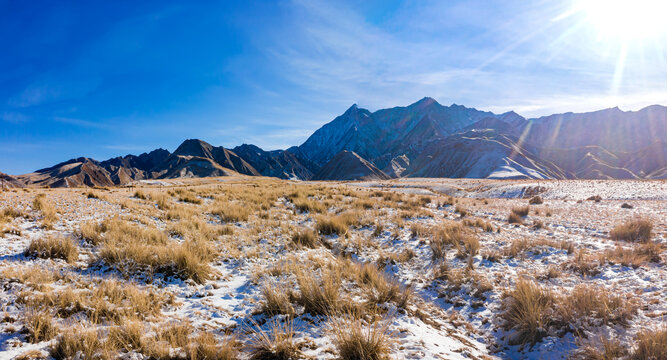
(342, 260)
(635, 230)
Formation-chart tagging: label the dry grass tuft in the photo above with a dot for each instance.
(232, 212)
(306, 238)
(636, 230)
(651, 344)
(586, 301)
(81, 343)
(320, 297)
(53, 247)
(276, 300)
(40, 326)
(521, 211)
(535, 200)
(49, 214)
(355, 340)
(274, 344)
(527, 309)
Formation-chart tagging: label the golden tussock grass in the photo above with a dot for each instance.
(53, 247)
(379, 288)
(81, 342)
(232, 212)
(600, 348)
(521, 211)
(49, 214)
(338, 225)
(355, 339)
(306, 238)
(586, 301)
(535, 200)
(479, 223)
(527, 309)
(276, 300)
(277, 343)
(188, 260)
(320, 296)
(39, 325)
(635, 230)
(651, 344)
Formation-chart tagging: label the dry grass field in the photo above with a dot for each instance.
(256, 268)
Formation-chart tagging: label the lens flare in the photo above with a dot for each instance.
(631, 19)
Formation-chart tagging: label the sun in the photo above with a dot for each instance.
(627, 19)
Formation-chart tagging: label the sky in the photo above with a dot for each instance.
(104, 79)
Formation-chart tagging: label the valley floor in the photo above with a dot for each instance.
(240, 267)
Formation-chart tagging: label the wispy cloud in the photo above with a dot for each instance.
(14, 117)
(81, 122)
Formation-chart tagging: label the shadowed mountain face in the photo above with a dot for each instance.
(8, 181)
(278, 163)
(424, 139)
(348, 165)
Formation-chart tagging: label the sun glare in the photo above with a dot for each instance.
(631, 19)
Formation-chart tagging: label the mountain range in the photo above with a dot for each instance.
(424, 139)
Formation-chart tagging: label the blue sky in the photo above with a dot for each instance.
(103, 79)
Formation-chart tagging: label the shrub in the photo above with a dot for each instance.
(596, 198)
(355, 340)
(626, 206)
(636, 230)
(53, 248)
(535, 200)
(527, 310)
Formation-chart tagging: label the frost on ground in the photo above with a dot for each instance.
(409, 269)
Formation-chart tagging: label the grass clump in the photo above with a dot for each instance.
(232, 212)
(40, 326)
(535, 200)
(527, 310)
(276, 300)
(53, 247)
(355, 340)
(319, 297)
(274, 344)
(635, 230)
(521, 211)
(305, 238)
(651, 344)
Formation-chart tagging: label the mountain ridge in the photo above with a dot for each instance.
(421, 139)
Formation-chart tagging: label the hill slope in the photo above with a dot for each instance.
(348, 165)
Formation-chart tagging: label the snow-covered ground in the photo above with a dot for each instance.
(443, 320)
